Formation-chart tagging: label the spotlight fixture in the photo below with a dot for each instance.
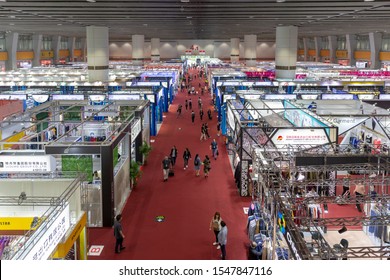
(342, 230)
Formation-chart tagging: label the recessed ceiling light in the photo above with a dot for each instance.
(185, 1)
(280, 1)
(12, 23)
(189, 17)
(11, 16)
(91, 1)
(59, 23)
(369, 0)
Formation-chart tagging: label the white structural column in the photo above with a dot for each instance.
(286, 52)
(138, 42)
(375, 47)
(155, 49)
(250, 50)
(37, 47)
(351, 47)
(11, 41)
(317, 47)
(235, 49)
(98, 53)
(71, 44)
(305, 48)
(84, 49)
(332, 48)
(56, 43)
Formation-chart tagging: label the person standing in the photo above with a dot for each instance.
(186, 157)
(359, 192)
(199, 102)
(206, 127)
(186, 104)
(190, 104)
(197, 164)
(222, 239)
(215, 224)
(206, 166)
(193, 116)
(173, 156)
(165, 166)
(118, 233)
(218, 128)
(209, 114)
(214, 148)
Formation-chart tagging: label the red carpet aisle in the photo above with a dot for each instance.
(187, 202)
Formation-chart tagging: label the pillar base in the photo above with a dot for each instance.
(250, 62)
(234, 57)
(155, 57)
(138, 61)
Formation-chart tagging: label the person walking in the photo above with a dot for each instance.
(166, 163)
(218, 128)
(215, 225)
(206, 166)
(193, 117)
(186, 157)
(190, 104)
(186, 104)
(118, 233)
(209, 114)
(197, 164)
(222, 239)
(359, 193)
(214, 148)
(179, 110)
(206, 127)
(173, 156)
(199, 102)
(201, 114)
(203, 133)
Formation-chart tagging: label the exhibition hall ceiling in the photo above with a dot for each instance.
(195, 19)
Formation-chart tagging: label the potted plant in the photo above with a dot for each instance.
(135, 172)
(145, 149)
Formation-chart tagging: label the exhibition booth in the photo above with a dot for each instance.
(43, 212)
(272, 124)
(98, 140)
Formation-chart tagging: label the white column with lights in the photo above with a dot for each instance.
(286, 52)
(317, 47)
(138, 42)
(71, 47)
(305, 48)
(37, 47)
(56, 44)
(332, 48)
(250, 50)
(11, 41)
(235, 49)
(351, 47)
(375, 47)
(155, 49)
(98, 53)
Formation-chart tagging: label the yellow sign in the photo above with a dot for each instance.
(14, 138)
(18, 223)
(342, 54)
(27, 55)
(63, 248)
(47, 54)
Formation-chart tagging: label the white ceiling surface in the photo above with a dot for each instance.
(202, 19)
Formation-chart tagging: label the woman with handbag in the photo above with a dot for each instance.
(215, 225)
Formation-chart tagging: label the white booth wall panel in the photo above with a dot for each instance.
(36, 187)
(147, 50)
(120, 49)
(242, 50)
(22, 211)
(122, 183)
(265, 50)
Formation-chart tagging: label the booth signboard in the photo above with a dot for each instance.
(300, 118)
(300, 137)
(226, 97)
(45, 245)
(13, 97)
(151, 98)
(344, 96)
(233, 84)
(78, 97)
(384, 97)
(154, 84)
(280, 96)
(366, 96)
(44, 163)
(124, 97)
(101, 110)
(345, 123)
(252, 96)
(247, 84)
(40, 98)
(135, 129)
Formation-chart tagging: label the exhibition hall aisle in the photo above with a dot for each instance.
(185, 203)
